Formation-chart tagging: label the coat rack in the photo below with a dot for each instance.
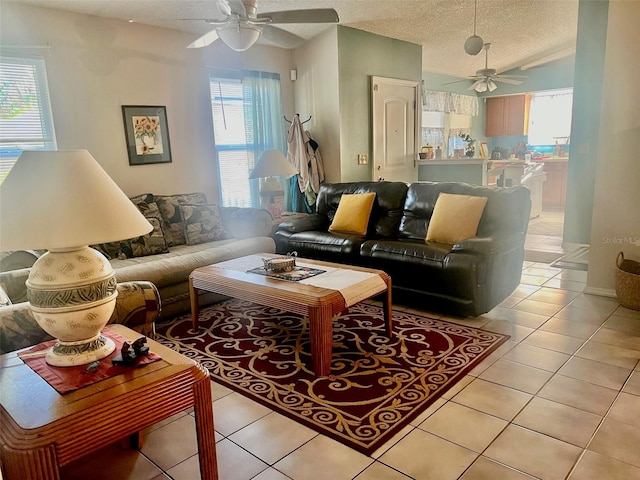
(297, 115)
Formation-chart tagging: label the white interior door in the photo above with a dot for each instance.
(395, 133)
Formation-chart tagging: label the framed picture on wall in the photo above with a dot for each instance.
(147, 134)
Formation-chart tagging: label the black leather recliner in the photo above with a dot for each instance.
(464, 279)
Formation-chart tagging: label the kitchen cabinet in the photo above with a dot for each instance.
(554, 189)
(508, 115)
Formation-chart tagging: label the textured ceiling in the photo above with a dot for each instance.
(519, 31)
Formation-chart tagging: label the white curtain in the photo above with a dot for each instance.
(449, 102)
(263, 118)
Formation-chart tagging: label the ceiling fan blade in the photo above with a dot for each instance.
(237, 7)
(510, 81)
(224, 7)
(458, 81)
(206, 39)
(317, 15)
(281, 37)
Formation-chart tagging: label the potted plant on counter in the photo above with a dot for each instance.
(470, 148)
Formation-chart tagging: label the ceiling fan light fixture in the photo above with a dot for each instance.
(491, 85)
(239, 36)
(481, 87)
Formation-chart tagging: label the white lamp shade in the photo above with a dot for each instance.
(62, 199)
(272, 163)
(239, 36)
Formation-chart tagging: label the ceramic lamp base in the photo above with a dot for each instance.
(72, 294)
(70, 354)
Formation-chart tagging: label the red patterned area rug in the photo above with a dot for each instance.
(377, 385)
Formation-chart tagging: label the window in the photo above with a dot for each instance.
(26, 122)
(444, 129)
(550, 117)
(247, 119)
(445, 116)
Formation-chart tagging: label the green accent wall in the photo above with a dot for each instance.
(360, 56)
(585, 127)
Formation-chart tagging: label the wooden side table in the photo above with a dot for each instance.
(42, 430)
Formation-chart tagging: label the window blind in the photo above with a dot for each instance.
(235, 157)
(26, 122)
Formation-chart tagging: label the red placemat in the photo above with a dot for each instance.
(67, 379)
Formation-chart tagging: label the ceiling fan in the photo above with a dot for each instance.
(486, 77)
(240, 26)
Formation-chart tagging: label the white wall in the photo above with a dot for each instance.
(95, 65)
(317, 94)
(616, 217)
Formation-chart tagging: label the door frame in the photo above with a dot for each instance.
(415, 84)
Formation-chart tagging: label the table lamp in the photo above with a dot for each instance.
(64, 201)
(272, 163)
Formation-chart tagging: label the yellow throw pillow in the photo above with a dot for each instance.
(455, 218)
(352, 215)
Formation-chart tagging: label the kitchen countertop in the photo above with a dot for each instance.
(453, 161)
(551, 160)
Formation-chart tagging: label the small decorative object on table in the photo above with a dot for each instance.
(282, 264)
(130, 353)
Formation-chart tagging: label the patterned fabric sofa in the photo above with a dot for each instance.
(187, 233)
(137, 306)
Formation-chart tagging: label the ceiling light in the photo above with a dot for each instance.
(481, 87)
(474, 44)
(239, 36)
(491, 85)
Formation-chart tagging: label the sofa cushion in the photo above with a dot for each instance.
(387, 208)
(142, 198)
(149, 244)
(153, 242)
(175, 266)
(455, 218)
(202, 223)
(169, 206)
(352, 215)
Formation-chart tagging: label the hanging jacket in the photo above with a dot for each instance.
(297, 152)
(315, 165)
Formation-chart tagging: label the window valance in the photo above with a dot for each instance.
(449, 102)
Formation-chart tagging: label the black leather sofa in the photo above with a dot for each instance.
(463, 279)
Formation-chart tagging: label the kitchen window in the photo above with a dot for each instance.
(446, 115)
(26, 122)
(550, 117)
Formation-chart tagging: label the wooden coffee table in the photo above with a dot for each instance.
(42, 430)
(319, 304)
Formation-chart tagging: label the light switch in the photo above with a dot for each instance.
(362, 159)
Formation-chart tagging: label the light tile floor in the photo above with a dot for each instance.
(560, 399)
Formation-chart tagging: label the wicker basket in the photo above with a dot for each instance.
(628, 282)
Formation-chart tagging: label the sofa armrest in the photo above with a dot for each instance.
(13, 284)
(137, 307)
(493, 245)
(307, 223)
(245, 222)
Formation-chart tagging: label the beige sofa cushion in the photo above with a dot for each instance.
(174, 267)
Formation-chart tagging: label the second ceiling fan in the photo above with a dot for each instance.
(240, 26)
(486, 77)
